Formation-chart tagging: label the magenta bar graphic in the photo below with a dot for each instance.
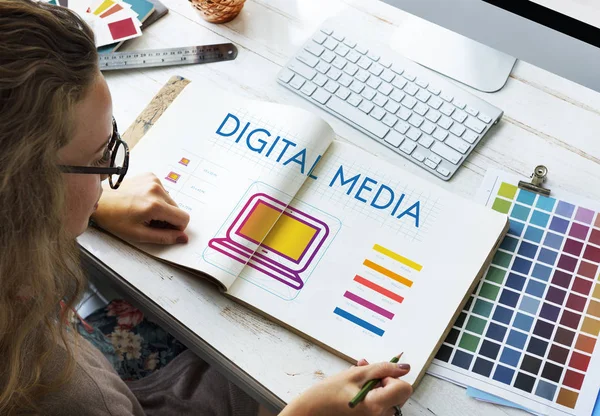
(368, 305)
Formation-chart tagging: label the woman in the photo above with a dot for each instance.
(56, 129)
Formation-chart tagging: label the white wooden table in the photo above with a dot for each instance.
(548, 120)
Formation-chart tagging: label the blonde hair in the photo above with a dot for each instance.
(47, 62)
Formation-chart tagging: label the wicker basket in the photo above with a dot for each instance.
(218, 11)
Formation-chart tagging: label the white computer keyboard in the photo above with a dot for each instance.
(409, 109)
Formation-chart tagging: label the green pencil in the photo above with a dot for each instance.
(369, 385)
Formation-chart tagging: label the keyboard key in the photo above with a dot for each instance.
(446, 152)
(459, 116)
(285, 75)
(408, 146)
(308, 88)
(430, 163)
(362, 75)
(334, 73)
(373, 56)
(404, 113)
(354, 99)
(418, 156)
(389, 120)
(428, 127)
(366, 106)
(470, 136)
(425, 141)
(368, 93)
(423, 95)
(472, 111)
(364, 62)
(353, 56)
(402, 127)
(338, 36)
(394, 138)
(321, 96)
(445, 122)
(326, 30)
(320, 80)
(409, 102)
(434, 158)
(421, 109)
(319, 37)
(411, 89)
(409, 76)
(385, 62)
(322, 67)
(416, 120)
(459, 104)
(331, 44)
(457, 129)
(342, 50)
(397, 95)
(387, 75)
(435, 102)
(380, 100)
(399, 82)
(440, 134)
(457, 144)
(443, 171)
(446, 97)
(392, 106)
(343, 93)
(350, 43)
(314, 48)
(485, 118)
(434, 90)
(474, 124)
(376, 69)
(447, 109)
(328, 56)
(421, 83)
(356, 116)
(361, 49)
(377, 113)
(350, 69)
(433, 116)
(332, 86)
(339, 63)
(385, 88)
(308, 59)
(297, 82)
(357, 86)
(413, 134)
(373, 82)
(345, 80)
(302, 69)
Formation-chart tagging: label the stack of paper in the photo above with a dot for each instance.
(112, 21)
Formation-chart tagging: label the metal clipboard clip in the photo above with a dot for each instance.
(537, 179)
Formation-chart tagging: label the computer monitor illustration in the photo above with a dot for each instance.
(273, 238)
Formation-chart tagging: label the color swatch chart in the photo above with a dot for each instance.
(378, 290)
(531, 326)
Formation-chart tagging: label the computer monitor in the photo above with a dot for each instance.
(561, 36)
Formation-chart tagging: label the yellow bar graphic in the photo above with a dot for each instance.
(388, 273)
(397, 257)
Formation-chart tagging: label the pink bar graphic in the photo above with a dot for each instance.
(368, 305)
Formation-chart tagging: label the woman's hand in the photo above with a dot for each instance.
(142, 211)
(331, 396)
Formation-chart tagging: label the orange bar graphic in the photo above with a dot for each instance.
(388, 273)
(378, 288)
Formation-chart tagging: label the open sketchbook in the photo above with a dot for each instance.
(337, 245)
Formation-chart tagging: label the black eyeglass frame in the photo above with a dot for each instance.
(114, 141)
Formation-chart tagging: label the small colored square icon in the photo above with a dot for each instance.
(184, 161)
(173, 177)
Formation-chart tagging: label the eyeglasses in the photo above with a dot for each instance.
(117, 153)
